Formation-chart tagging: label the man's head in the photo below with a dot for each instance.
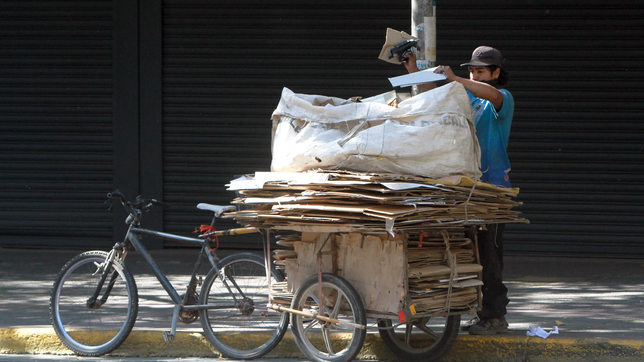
(484, 73)
(486, 66)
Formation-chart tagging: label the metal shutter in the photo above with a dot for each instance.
(224, 66)
(55, 123)
(576, 143)
(577, 135)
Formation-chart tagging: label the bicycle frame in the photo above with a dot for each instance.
(132, 237)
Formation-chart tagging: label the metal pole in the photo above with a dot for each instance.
(423, 27)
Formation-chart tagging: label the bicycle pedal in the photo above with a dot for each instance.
(168, 336)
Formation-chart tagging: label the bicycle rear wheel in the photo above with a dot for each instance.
(92, 330)
(227, 326)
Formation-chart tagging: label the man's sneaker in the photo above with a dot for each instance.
(489, 326)
(474, 321)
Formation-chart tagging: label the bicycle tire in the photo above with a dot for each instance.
(92, 332)
(225, 328)
(324, 341)
(421, 339)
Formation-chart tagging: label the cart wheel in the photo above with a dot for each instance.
(422, 339)
(326, 341)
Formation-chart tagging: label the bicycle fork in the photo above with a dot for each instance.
(104, 269)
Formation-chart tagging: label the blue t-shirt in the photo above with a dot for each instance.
(493, 132)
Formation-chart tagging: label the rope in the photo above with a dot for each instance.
(319, 253)
(320, 283)
(268, 259)
(473, 310)
(452, 263)
(476, 179)
(420, 238)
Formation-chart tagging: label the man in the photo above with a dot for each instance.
(493, 110)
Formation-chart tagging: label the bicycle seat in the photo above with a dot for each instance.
(217, 209)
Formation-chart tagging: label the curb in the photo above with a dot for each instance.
(466, 348)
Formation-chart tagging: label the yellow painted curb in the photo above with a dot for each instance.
(465, 348)
(517, 348)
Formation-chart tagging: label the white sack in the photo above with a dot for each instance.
(431, 134)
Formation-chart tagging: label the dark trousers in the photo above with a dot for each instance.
(495, 294)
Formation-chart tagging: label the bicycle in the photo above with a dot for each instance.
(94, 300)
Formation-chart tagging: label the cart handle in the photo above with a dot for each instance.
(237, 231)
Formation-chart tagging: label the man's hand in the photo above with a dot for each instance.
(410, 63)
(447, 71)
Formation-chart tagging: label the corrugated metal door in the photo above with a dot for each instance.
(55, 123)
(576, 143)
(577, 138)
(224, 66)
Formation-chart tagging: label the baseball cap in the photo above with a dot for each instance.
(484, 56)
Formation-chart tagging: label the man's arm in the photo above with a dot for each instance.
(478, 89)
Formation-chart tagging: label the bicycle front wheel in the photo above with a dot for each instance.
(93, 329)
(242, 310)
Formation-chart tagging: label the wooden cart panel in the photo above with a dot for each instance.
(392, 273)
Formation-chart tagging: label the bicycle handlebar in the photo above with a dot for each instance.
(138, 204)
(116, 194)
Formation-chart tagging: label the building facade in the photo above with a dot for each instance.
(172, 99)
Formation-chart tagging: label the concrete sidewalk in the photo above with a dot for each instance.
(599, 301)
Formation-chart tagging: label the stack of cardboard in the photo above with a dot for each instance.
(280, 294)
(442, 265)
(436, 269)
(333, 201)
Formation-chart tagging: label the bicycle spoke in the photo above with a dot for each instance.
(327, 341)
(311, 325)
(336, 308)
(408, 327)
(428, 331)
